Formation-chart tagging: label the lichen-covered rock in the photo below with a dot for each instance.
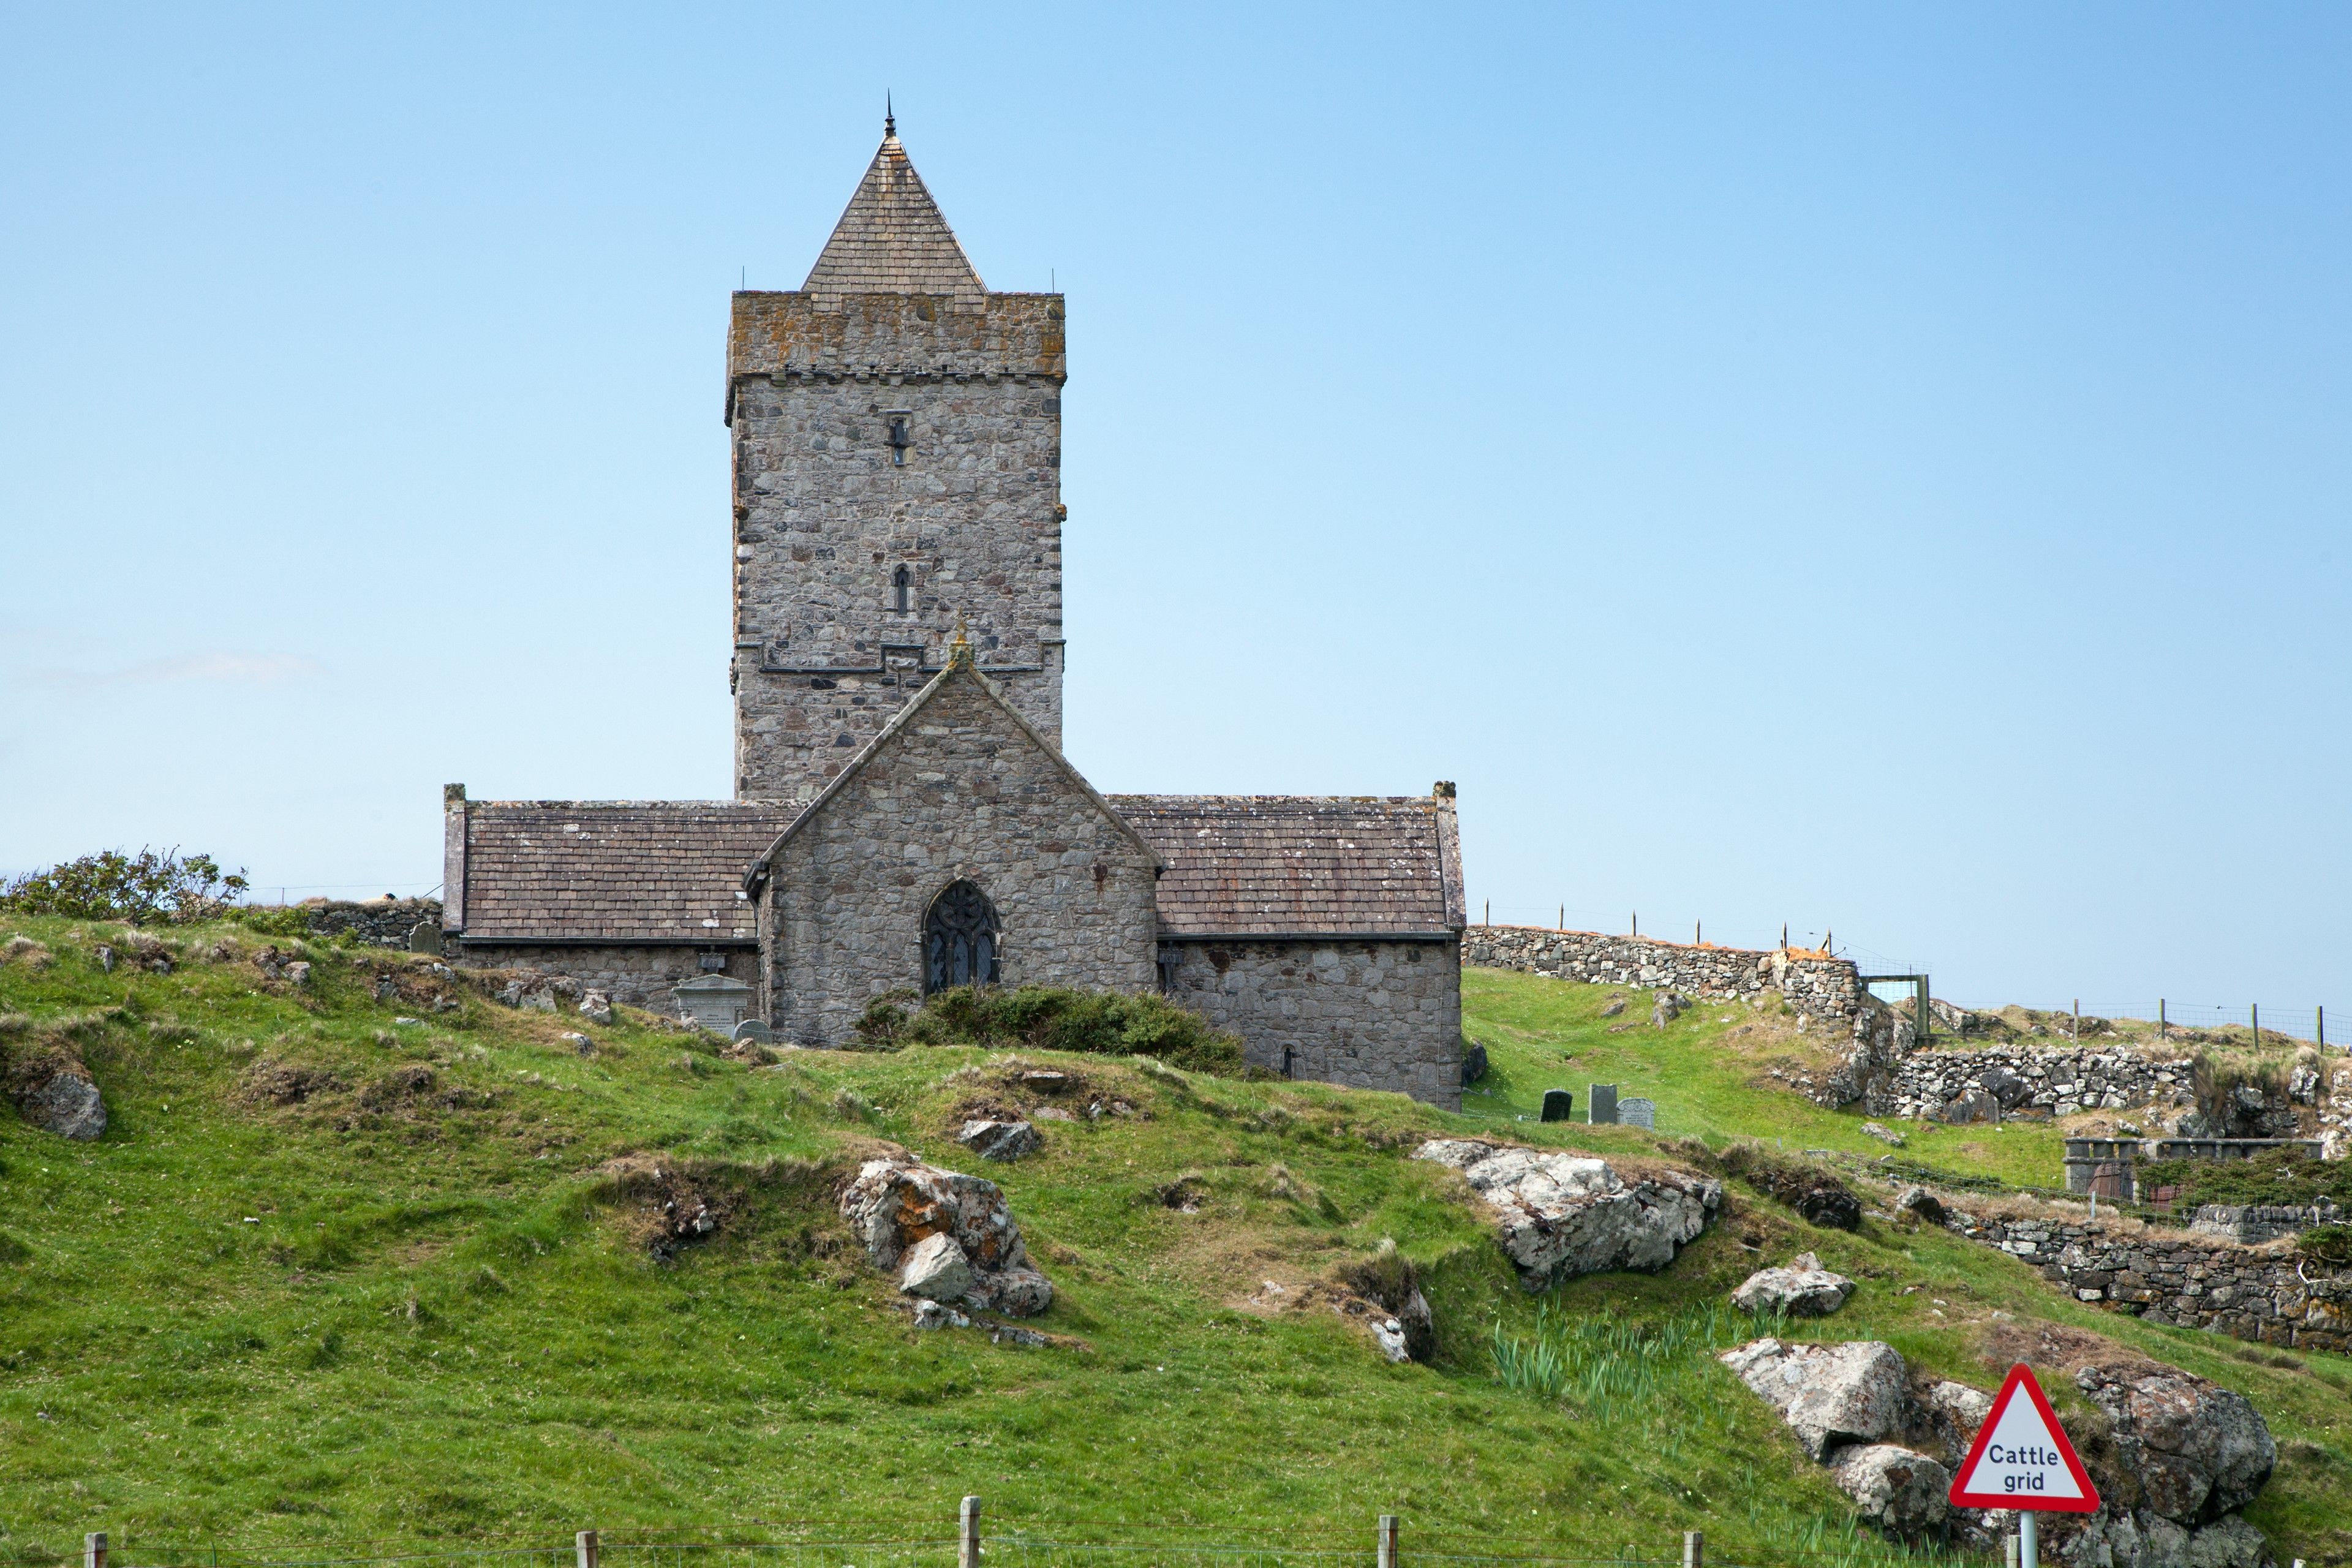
(1000, 1140)
(1562, 1215)
(935, 1268)
(1829, 1395)
(1897, 1489)
(1802, 1289)
(894, 1204)
(64, 1101)
(2196, 1449)
(2148, 1539)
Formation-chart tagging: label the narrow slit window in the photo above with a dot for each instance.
(900, 440)
(902, 589)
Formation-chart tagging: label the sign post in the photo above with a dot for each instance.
(2022, 1460)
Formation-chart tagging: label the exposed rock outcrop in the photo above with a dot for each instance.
(897, 1202)
(1899, 1489)
(1560, 1214)
(1829, 1395)
(1802, 1289)
(2197, 1450)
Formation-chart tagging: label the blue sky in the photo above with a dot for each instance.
(1879, 468)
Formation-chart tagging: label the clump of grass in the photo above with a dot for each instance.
(1613, 1367)
(1056, 1018)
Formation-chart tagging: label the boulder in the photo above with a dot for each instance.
(1829, 1395)
(1665, 1009)
(1560, 1214)
(1898, 1490)
(59, 1097)
(2196, 1449)
(1389, 1333)
(2147, 1540)
(596, 1007)
(1977, 1105)
(1616, 1006)
(1920, 1204)
(935, 1268)
(895, 1202)
(1802, 1289)
(1829, 1202)
(1000, 1140)
(2008, 1090)
(1886, 1135)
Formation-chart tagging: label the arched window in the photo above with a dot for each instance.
(902, 587)
(959, 936)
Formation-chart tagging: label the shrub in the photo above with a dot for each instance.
(163, 887)
(2275, 1176)
(1055, 1018)
(2328, 1243)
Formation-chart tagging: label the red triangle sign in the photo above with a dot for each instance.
(2022, 1459)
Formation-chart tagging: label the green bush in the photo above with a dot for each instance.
(1056, 1018)
(2328, 1243)
(2278, 1177)
(159, 887)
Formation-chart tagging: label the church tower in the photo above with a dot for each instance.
(896, 430)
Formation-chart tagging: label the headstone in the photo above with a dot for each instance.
(425, 936)
(1637, 1111)
(756, 1031)
(713, 1002)
(1600, 1104)
(1558, 1105)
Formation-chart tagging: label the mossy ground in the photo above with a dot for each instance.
(375, 1315)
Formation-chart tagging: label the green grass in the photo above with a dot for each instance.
(342, 1322)
(1706, 1071)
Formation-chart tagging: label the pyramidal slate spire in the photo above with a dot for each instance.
(892, 239)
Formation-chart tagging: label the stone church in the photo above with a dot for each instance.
(904, 818)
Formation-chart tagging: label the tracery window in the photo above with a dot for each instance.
(960, 940)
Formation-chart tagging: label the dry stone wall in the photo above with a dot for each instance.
(1821, 987)
(1372, 1015)
(638, 974)
(380, 922)
(958, 791)
(2270, 1293)
(1966, 1086)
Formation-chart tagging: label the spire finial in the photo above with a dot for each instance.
(889, 115)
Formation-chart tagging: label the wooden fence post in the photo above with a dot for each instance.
(968, 1534)
(93, 1550)
(584, 1549)
(1693, 1549)
(1388, 1553)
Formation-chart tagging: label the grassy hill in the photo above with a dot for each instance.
(332, 1277)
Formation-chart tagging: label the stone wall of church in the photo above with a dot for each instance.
(1369, 1014)
(639, 975)
(960, 793)
(826, 517)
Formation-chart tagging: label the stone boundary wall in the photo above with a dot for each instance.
(2269, 1294)
(1929, 1081)
(1821, 987)
(379, 922)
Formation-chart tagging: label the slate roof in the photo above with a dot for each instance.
(616, 871)
(1273, 865)
(892, 239)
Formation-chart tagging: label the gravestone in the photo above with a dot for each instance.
(1636, 1111)
(1600, 1104)
(425, 936)
(755, 1031)
(1558, 1105)
(713, 1002)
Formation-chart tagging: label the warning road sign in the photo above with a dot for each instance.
(2022, 1459)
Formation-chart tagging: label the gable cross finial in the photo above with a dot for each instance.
(958, 651)
(889, 115)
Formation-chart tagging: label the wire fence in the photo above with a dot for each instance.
(964, 1544)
